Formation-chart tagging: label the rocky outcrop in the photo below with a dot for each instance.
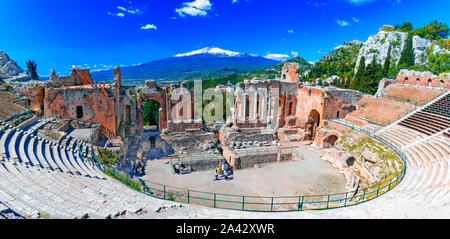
(8, 67)
(377, 47)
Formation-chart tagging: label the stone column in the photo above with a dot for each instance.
(244, 103)
(255, 110)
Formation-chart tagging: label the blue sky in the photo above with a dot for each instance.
(60, 34)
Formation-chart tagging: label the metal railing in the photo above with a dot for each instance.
(261, 203)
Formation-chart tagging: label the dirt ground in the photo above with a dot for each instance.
(310, 176)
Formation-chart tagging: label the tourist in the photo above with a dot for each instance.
(217, 175)
(177, 168)
(218, 171)
(225, 173)
(132, 165)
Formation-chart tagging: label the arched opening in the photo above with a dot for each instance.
(150, 113)
(405, 81)
(418, 81)
(441, 83)
(430, 83)
(127, 113)
(284, 76)
(79, 112)
(330, 141)
(258, 110)
(350, 161)
(152, 140)
(291, 110)
(247, 107)
(313, 123)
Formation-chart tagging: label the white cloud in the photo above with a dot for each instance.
(294, 53)
(359, 2)
(277, 57)
(355, 19)
(195, 8)
(121, 8)
(149, 26)
(342, 23)
(234, 1)
(291, 31)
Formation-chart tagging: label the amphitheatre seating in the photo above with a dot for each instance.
(380, 111)
(8, 107)
(432, 119)
(413, 94)
(52, 180)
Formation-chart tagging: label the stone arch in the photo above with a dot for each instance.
(430, 83)
(313, 123)
(162, 114)
(291, 108)
(441, 83)
(350, 161)
(330, 140)
(151, 112)
(405, 81)
(37, 101)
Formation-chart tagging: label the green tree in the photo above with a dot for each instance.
(320, 82)
(387, 62)
(407, 55)
(435, 31)
(359, 74)
(150, 112)
(32, 70)
(372, 75)
(405, 27)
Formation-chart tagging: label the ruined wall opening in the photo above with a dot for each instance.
(350, 161)
(313, 121)
(405, 81)
(441, 83)
(79, 112)
(330, 141)
(430, 83)
(291, 109)
(247, 107)
(152, 140)
(150, 113)
(127, 113)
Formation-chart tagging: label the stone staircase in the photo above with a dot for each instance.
(432, 119)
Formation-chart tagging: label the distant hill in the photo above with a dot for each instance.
(270, 72)
(384, 54)
(201, 64)
(8, 67)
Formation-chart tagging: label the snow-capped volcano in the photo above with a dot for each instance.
(199, 64)
(211, 51)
